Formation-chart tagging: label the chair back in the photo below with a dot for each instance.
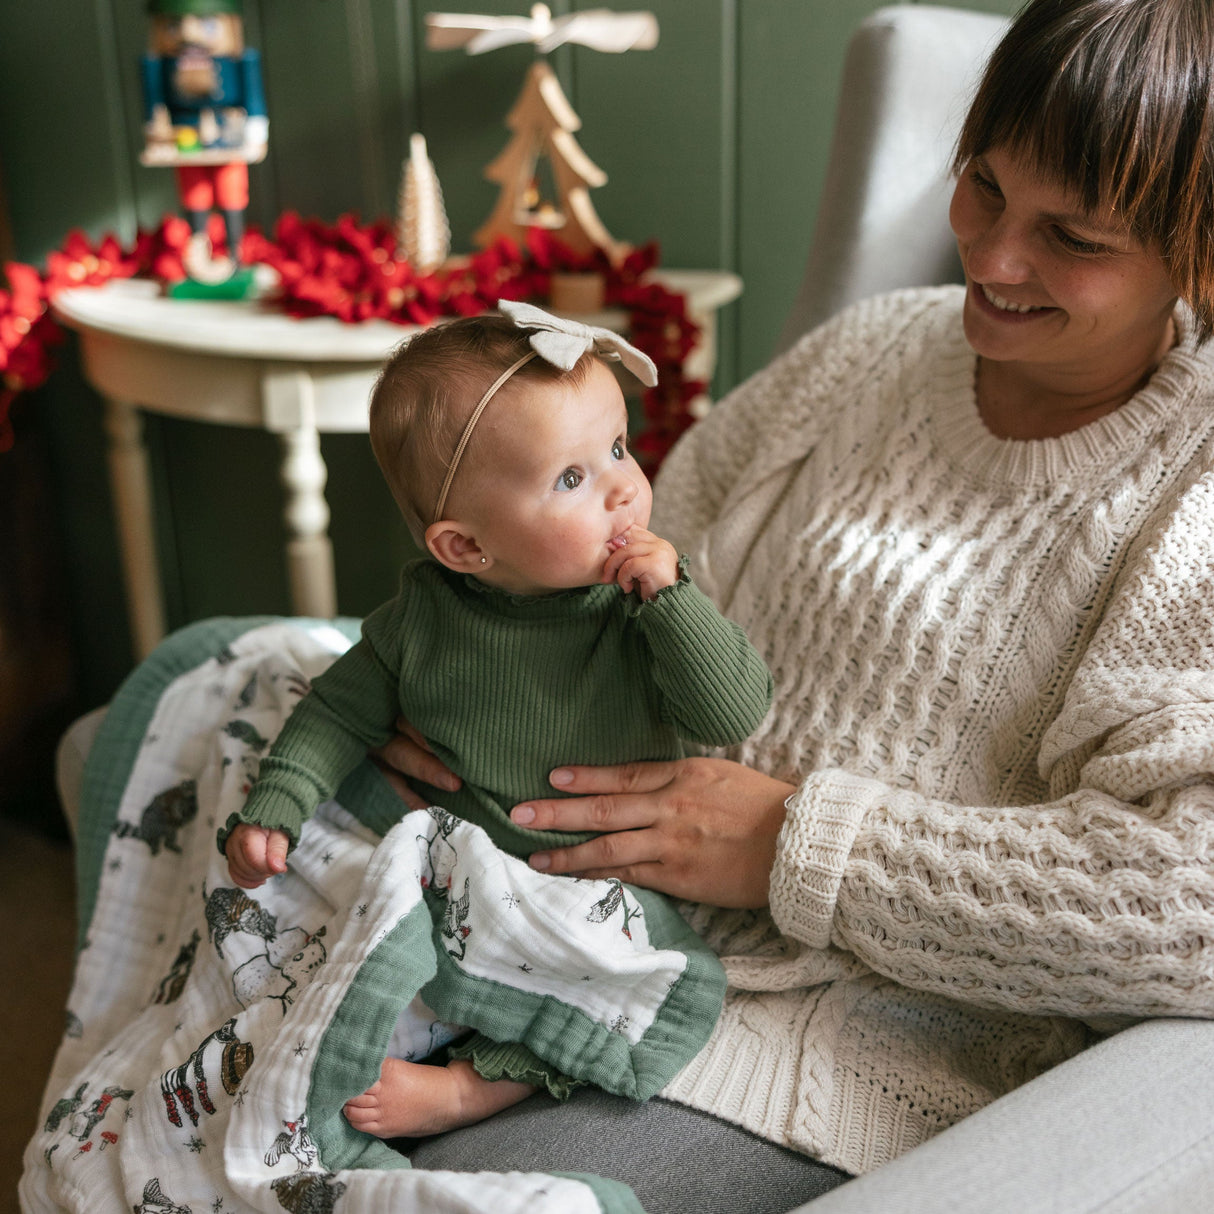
(882, 221)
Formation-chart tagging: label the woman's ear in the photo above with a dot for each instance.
(452, 546)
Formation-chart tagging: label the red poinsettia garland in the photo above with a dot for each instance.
(355, 272)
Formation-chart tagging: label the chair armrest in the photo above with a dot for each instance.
(1126, 1127)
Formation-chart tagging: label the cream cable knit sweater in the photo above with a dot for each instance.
(994, 667)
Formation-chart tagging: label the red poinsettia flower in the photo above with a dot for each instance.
(636, 263)
(660, 325)
(160, 253)
(551, 253)
(406, 297)
(79, 264)
(502, 272)
(374, 242)
(26, 296)
(25, 363)
(355, 272)
(462, 293)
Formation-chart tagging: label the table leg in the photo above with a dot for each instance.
(309, 549)
(132, 488)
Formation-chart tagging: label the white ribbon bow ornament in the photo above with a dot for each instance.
(562, 342)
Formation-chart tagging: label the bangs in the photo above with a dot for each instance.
(1107, 101)
(1111, 100)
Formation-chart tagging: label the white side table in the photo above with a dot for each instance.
(239, 364)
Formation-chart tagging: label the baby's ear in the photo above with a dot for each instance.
(452, 546)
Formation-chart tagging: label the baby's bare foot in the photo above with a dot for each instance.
(411, 1099)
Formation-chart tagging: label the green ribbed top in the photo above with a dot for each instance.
(507, 687)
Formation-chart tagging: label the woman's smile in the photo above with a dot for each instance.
(1010, 309)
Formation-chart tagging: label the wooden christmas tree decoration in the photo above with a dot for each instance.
(543, 123)
(422, 230)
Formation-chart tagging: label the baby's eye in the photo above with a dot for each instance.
(571, 478)
(618, 450)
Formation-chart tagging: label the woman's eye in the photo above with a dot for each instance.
(1076, 245)
(984, 184)
(569, 479)
(618, 450)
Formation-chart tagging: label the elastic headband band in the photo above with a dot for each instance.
(467, 434)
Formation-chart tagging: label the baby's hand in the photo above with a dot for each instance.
(642, 561)
(255, 853)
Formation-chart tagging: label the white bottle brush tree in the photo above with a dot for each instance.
(422, 231)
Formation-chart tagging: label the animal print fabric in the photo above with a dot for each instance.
(214, 1034)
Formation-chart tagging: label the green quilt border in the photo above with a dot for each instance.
(613, 1196)
(355, 1042)
(113, 753)
(569, 1039)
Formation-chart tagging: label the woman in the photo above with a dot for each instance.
(971, 530)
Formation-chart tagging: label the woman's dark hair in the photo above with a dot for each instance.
(1113, 100)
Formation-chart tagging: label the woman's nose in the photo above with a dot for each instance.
(996, 253)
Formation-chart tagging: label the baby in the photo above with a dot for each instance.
(547, 626)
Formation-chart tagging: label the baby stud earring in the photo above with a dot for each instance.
(484, 560)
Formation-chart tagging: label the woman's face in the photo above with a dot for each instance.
(1051, 285)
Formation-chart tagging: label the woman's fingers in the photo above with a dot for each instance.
(606, 798)
(608, 855)
(407, 755)
(620, 778)
(399, 784)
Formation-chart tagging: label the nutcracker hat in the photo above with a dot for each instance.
(194, 8)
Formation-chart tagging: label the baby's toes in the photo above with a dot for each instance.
(363, 1117)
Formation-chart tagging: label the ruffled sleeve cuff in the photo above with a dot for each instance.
(667, 596)
(269, 808)
(824, 817)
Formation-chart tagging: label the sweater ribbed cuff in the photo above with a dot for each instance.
(824, 816)
(271, 808)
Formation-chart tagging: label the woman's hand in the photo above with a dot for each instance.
(703, 829)
(409, 754)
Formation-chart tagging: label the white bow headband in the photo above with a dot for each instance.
(559, 342)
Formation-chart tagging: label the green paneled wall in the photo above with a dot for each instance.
(714, 143)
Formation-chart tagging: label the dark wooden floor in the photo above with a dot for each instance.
(37, 934)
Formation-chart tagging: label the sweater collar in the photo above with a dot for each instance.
(1089, 453)
(561, 604)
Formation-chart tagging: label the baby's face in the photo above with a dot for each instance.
(555, 484)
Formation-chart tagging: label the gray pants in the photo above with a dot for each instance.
(1126, 1127)
(675, 1159)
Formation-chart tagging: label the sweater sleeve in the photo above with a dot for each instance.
(715, 687)
(1097, 902)
(349, 709)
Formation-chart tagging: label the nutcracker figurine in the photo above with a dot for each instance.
(205, 115)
